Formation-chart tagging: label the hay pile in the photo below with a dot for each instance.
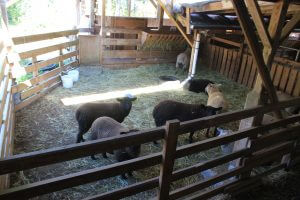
(49, 123)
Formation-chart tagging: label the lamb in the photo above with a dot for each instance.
(87, 113)
(104, 127)
(183, 59)
(168, 110)
(197, 85)
(216, 98)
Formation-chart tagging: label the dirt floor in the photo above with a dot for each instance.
(49, 123)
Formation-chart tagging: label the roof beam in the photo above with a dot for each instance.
(288, 28)
(256, 14)
(254, 46)
(178, 26)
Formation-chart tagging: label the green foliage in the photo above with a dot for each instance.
(15, 12)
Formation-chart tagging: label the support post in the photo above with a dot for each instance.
(169, 152)
(4, 11)
(160, 17)
(194, 55)
(92, 16)
(129, 7)
(103, 18)
(78, 12)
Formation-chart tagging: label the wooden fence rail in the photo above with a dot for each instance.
(32, 89)
(264, 148)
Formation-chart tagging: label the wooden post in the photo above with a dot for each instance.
(160, 16)
(92, 16)
(35, 72)
(103, 17)
(78, 12)
(61, 63)
(4, 11)
(188, 21)
(169, 152)
(263, 60)
(239, 62)
(129, 7)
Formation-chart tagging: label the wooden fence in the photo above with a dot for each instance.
(281, 141)
(236, 63)
(40, 83)
(7, 114)
(120, 46)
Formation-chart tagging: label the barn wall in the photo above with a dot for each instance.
(234, 61)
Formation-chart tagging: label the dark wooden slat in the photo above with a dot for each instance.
(220, 58)
(195, 169)
(247, 71)
(278, 75)
(127, 191)
(215, 60)
(166, 168)
(206, 122)
(73, 151)
(252, 76)
(236, 44)
(233, 64)
(214, 142)
(223, 65)
(79, 178)
(296, 91)
(228, 63)
(258, 159)
(212, 57)
(239, 62)
(273, 71)
(243, 68)
(291, 81)
(284, 78)
(277, 137)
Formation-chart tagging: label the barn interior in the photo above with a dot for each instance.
(249, 47)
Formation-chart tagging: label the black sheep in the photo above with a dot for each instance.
(104, 127)
(197, 85)
(168, 110)
(87, 113)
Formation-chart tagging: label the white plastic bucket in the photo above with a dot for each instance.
(74, 74)
(67, 81)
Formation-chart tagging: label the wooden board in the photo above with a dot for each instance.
(243, 68)
(212, 57)
(44, 50)
(296, 91)
(228, 63)
(291, 81)
(89, 49)
(43, 36)
(278, 75)
(220, 58)
(128, 42)
(247, 70)
(284, 78)
(233, 64)
(139, 54)
(223, 65)
(253, 74)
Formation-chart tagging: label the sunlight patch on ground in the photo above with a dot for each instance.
(170, 85)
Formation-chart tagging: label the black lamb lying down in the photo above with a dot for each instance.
(197, 85)
(104, 127)
(168, 110)
(87, 113)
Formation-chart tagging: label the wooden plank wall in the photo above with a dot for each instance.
(264, 148)
(6, 110)
(236, 63)
(32, 89)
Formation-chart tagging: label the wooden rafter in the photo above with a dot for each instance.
(160, 17)
(179, 26)
(290, 26)
(153, 3)
(254, 47)
(256, 14)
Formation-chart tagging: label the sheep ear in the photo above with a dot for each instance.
(218, 85)
(122, 133)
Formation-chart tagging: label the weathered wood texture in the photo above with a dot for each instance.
(242, 69)
(41, 82)
(6, 109)
(268, 147)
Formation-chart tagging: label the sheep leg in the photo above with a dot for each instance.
(191, 137)
(207, 132)
(130, 174)
(123, 176)
(104, 155)
(79, 138)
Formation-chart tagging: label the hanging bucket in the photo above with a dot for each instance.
(67, 81)
(74, 74)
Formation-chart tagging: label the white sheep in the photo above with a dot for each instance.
(183, 59)
(216, 98)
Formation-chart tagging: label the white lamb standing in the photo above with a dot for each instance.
(183, 59)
